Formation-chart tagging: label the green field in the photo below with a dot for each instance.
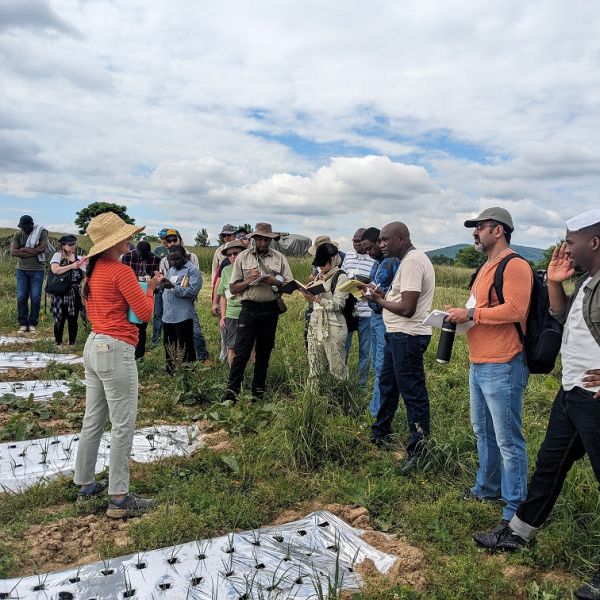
(296, 452)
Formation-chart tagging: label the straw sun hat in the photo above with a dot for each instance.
(107, 230)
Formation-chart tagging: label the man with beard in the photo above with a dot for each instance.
(574, 423)
(498, 373)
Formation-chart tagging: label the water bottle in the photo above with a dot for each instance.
(131, 316)
(444, 352)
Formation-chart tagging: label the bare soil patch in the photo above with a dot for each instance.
(71, 542)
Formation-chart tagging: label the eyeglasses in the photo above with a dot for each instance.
(481, 226)
(232, 254)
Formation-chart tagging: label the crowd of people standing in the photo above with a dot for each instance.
(397, 283)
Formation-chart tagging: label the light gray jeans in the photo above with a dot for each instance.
(111, 380)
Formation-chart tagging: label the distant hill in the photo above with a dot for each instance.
(527, 252)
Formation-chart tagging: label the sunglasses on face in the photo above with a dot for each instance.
(172, 241)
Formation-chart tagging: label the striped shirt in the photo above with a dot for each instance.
(359, 264)
(113, 288)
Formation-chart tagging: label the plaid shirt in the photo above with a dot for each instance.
(141, 266)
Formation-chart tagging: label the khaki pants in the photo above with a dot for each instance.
(327, 353)
(111, 380)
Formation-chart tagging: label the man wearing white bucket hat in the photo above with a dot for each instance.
(574, 423)
(111, 377)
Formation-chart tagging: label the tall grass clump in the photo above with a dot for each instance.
(309, 432)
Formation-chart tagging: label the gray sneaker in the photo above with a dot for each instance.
(99, 487)
(132, 506)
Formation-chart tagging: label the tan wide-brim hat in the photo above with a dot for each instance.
(107, 230)
(320, 239)
(264, 230)
(233, 244)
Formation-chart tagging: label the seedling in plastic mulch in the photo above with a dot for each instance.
(276, 579)
(107, 570)
(41, 580)
(152, 441)
(230, 548)
(334, 584)
(129, 591)
(278, 537)
(202, 547)
(76, 578)
(45, 445)
(141, 563)
(255, 537)
(8, 594)
(228, 566)
(173, 556)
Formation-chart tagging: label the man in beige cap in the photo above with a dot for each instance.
(574, 423)
(257, 274)
(498, 372)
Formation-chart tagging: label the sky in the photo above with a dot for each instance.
(318, 117)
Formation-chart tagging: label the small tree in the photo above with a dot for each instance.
(246, 226)
(201, 238)
(440, 259)
(545, 260)
(469, 257)
(85, 215)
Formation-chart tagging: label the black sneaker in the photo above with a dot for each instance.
(99, 487)
(132, 506)
(501, 538)
(381, 442)
(591, 590)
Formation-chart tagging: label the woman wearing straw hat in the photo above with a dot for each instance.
(111, 377)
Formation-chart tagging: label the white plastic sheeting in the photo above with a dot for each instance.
(23, 464)
(35, 360)
(41, 390)
(287, 561)
(16, 339)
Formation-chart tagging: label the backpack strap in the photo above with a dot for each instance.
(474, 275)
(334, 280)
(498, 285)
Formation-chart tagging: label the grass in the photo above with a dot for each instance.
(300, 447)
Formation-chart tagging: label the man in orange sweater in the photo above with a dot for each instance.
(498, 373)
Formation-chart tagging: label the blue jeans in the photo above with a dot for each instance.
(199, 342)
(377, 346)
(402, 373)
(364, 348)
(29, 287)
(496, 403)
(157, 320)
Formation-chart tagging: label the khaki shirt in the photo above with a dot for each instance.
(247, 260)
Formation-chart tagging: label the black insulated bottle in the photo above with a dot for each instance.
(444, 352)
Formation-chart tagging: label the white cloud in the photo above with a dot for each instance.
(196, 111)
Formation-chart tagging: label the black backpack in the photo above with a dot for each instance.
(542, 342)
(349, 310)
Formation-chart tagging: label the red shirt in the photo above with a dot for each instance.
(113, 288)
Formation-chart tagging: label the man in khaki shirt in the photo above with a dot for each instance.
(257, 273)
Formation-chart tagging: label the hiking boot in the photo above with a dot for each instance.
(23, 329)
(132, 506)
(591, 590)
(381, 442)
(501, 538)
(99, 487)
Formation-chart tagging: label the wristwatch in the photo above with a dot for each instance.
(471, 313)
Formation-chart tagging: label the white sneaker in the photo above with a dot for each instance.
(23, 329)
(32, 329)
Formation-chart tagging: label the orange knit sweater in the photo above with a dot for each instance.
(494, 338)
(113, 289)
